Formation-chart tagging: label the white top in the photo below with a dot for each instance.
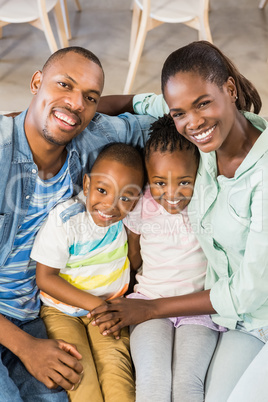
(173, 261)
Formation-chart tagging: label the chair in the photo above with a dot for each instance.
(35, 12)
(148, 14)
(66, 16)
(263, 3)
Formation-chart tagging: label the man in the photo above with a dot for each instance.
(44, 153)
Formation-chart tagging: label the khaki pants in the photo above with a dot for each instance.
(107, 364)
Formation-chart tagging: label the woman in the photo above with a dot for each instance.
(210, 103)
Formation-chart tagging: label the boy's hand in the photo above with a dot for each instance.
(53, 362)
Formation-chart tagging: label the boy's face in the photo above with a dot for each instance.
(112, 191)
(171, 177)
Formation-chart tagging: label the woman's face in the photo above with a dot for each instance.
(203, 113)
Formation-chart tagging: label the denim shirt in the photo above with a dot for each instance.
(18, 171)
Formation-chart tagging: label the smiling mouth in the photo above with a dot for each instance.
(63, 117)
(205, 135)
(105, 216)
(172, 202)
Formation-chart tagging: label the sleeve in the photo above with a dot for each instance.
(244, 292)
(151, 104)
(51, 245)
(133, 129)
(133, 220)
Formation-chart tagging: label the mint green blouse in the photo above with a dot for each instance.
(230, 219)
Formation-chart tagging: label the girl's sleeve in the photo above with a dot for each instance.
(133, 220)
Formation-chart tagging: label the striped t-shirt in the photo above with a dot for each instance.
(90, 257)
(19, 297)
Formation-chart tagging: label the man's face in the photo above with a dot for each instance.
(66, 98)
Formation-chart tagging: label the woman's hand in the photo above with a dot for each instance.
(119, 313)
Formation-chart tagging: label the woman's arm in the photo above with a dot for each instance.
(119, 313)
(48, 280)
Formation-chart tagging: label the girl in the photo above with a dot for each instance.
(210, 103)
(161, 239)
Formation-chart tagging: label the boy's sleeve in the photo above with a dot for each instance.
(51, 245)
(150, 103)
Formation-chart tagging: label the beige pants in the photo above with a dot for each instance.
(107, 364)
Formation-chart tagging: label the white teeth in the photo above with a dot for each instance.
(65, 118)
(173, 202)
(204, 134)
(104, 215)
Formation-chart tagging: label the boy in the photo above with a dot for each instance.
(81, 254)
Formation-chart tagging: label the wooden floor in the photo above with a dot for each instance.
(239, 28)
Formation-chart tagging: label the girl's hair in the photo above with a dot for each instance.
(212, 65)
(164, 137)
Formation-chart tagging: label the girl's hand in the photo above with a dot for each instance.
(119, 313)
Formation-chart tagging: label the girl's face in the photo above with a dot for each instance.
(171, 178)
(203, 113)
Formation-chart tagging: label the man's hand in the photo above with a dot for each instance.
(53, 362)
(119, 313)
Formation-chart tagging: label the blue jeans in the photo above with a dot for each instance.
(16, 383)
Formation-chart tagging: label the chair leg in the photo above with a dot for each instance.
(136, 15)
(60, 25)
(46, 26)
(78, 6)
(2, 24)
(136, 57)
(204, 32)
(66, 20)
(263, 3)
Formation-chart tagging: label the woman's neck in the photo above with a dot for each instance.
(236, 146)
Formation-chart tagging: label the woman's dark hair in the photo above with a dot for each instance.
(164, 137)
(212, 65)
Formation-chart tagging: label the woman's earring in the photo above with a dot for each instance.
(236, 98)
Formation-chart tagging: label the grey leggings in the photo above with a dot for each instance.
(171, 364)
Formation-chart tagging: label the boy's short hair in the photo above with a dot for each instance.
(123, 153)
(164, 137)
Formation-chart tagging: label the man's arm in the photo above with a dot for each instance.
(53, 362)
(146, 103)
(114, 105)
